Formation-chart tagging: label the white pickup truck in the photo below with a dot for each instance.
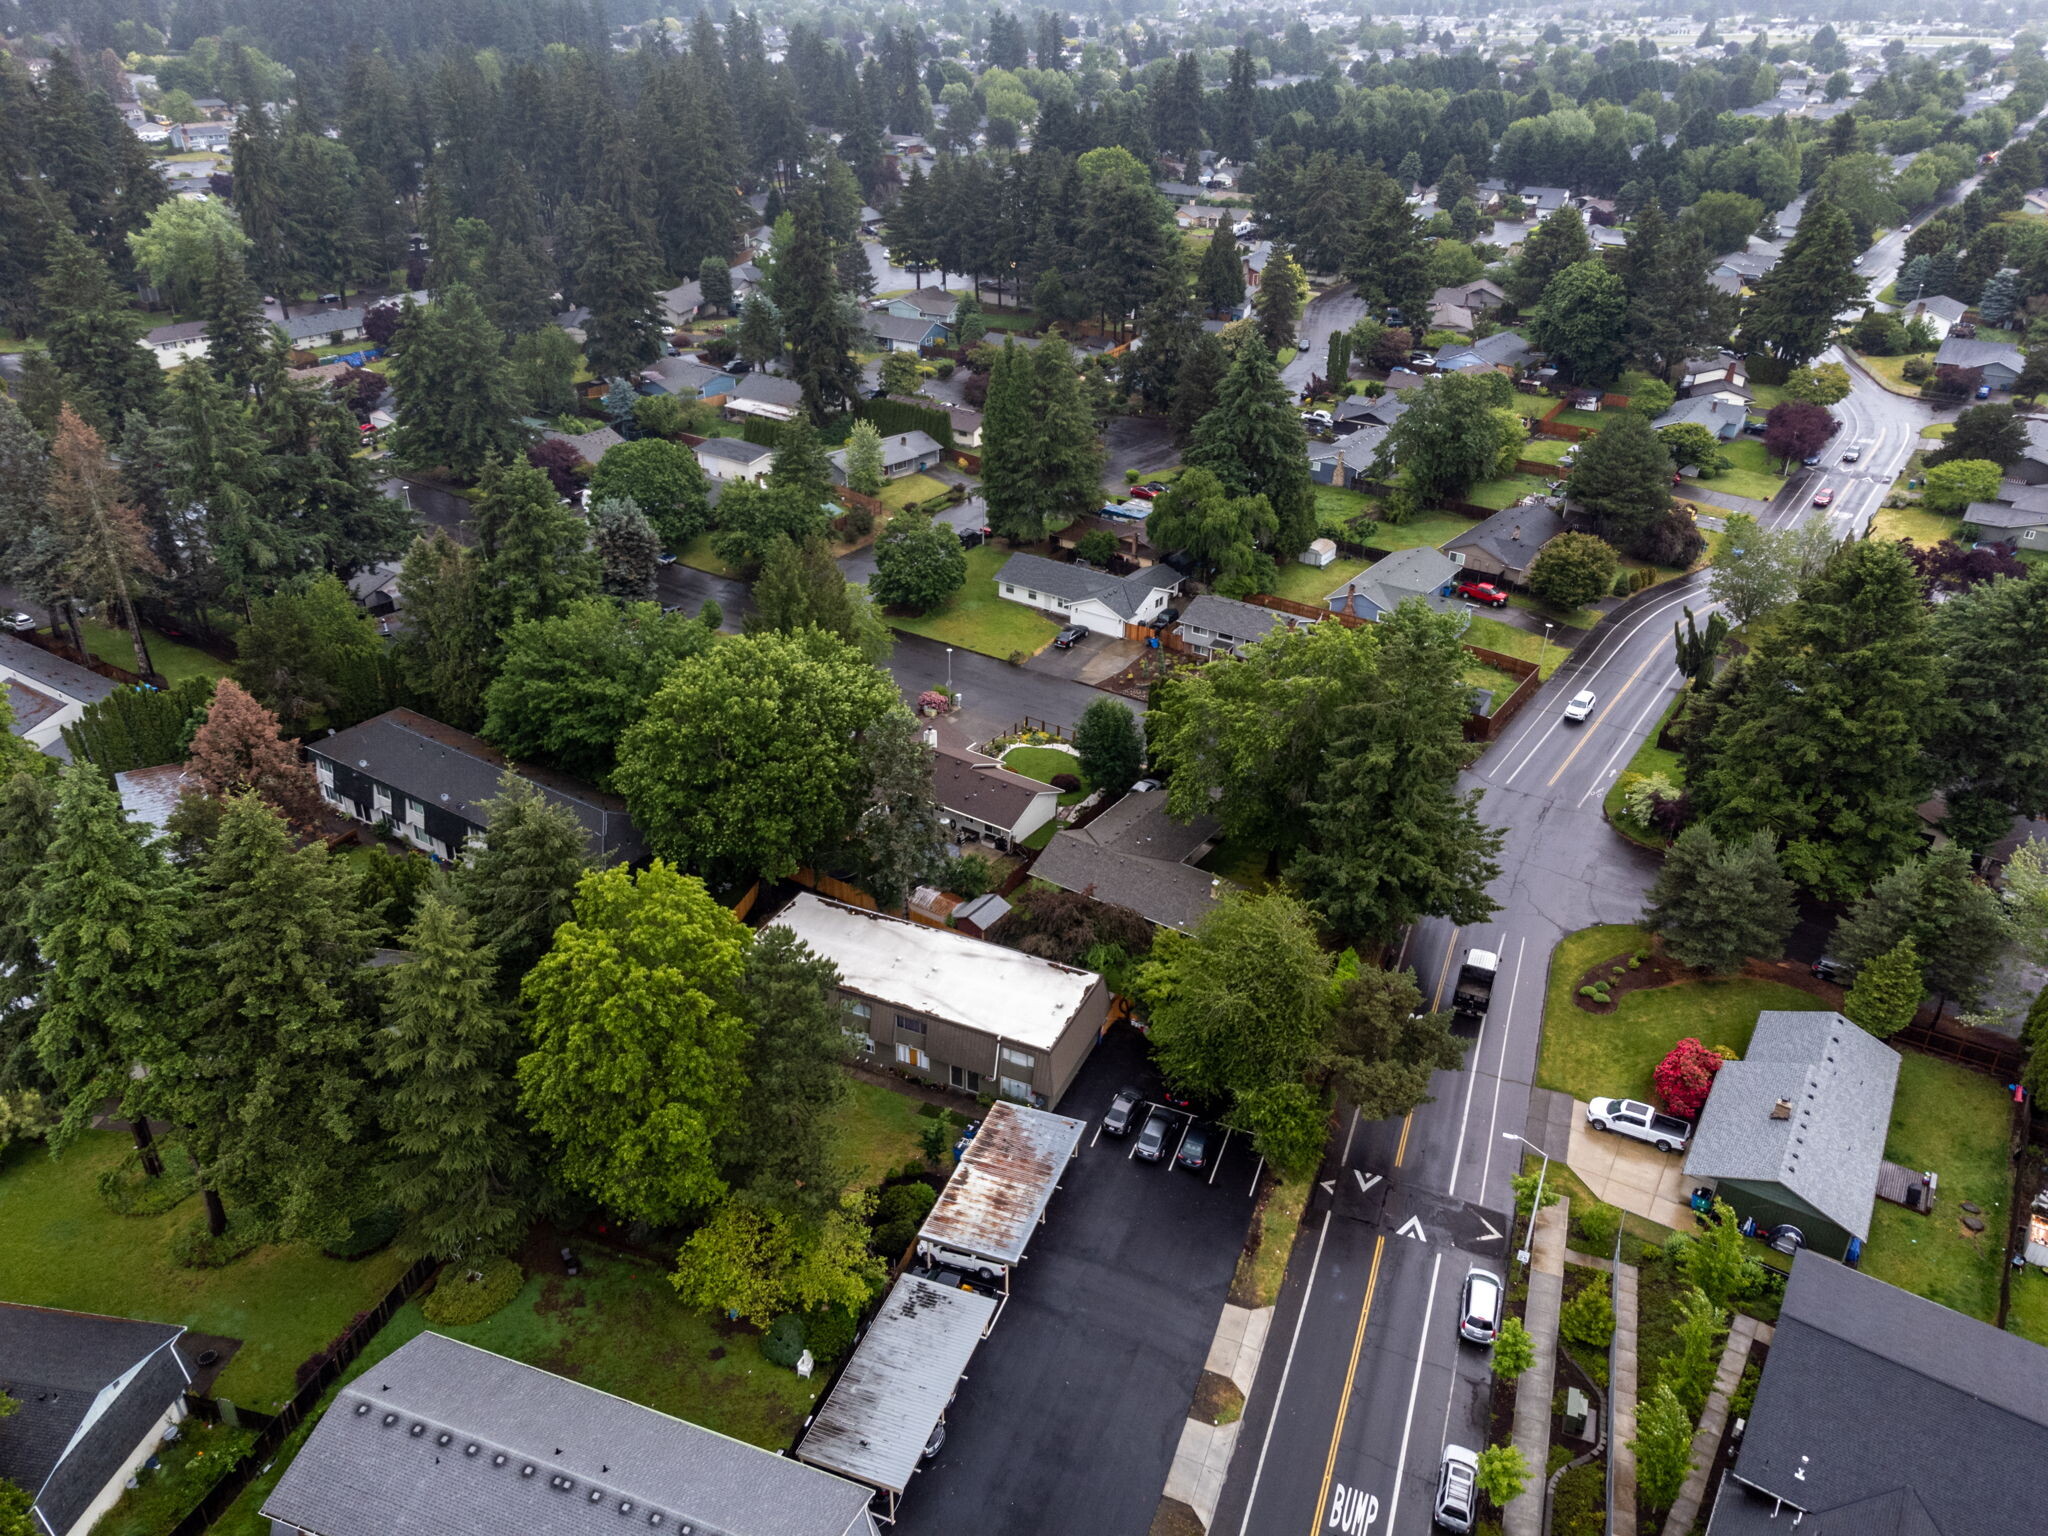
(1667, 1133)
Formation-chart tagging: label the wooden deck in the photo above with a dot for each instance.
(1901, 1186)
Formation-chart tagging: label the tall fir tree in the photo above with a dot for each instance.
(1793, 313)
(1219, 281)
(237, 332)
(454, 394)
(28, 803)
(1252, 441)
(518, 882)
(537, 556)
(448, 647)
(618, 285)
(1389, 258)
(1717, 904)
(817, 320)
(92, 335)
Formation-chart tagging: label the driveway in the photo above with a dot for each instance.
(1089, 660)
(1334, 309)
(1629, 1173)
(1072, 1410)
(1143, 443)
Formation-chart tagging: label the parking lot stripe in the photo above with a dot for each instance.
(1255, 1179)
(1372, 1284)
(1096, 1137)
(1213, 1167)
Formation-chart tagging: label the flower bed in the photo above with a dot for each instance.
(1601, 987)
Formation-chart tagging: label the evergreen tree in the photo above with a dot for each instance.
(864, 466)
(801, 464)
(1041, 457)
(1994, 640)
(1282, 290)
(457, 1163)
(628, 552)
(1912, 279)
(816, 318)
(238, 334)
(1219, 282)
(782, 1145)
(1957, 924)
(1718, 904)
(900, 829)
(1195, 387)
(1252, 441)
(28, 799)
(455, 403)
(1389, 255)
(90, 332)
(1622, 480)
(1111, 746)
(2001, 297)
(1793, 313)
(444, 653)
(1887, 991)
(801, 586)
(1558, 242)
(619, 284)
(537, 556)
(518, 881)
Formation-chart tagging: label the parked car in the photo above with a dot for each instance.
(1828, 968)
(1168, 617)
(1143, 492)
(1123, 1110)
(1194, 1149)
(1580, 705)
(1824, 497)
(1143, 786)
(1152, 1140)
(1983, 391)
(1457, 1489)
(1157, 487)
(1626, 1117)
(20, 623)
(936, 1440)
(1810, 460)
(664, 558)
(1069, 637)
(1317, 418)
(1421, 360)
(1473, 590)
(1479, 1306)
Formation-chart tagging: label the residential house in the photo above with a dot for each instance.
(690, 379)
(768, 395)
(1400, 380)
(1349, 458)
(903, 453)
(966, 421)
(440, 1437)
(1223, 626)
(1507, 350)
(590, 446)
(894, 333)
(1745, 267)
(1606, 237)
(1793, 1134)
(1544, 201)
(920, 304)
(1458, 308)
(1423, 574)
(1999, 362)
(1134, 855)
(151, 796)
(94, 1397)
(747, 280)
(324, 327)
(1079, 594)
(377, 588)
(1129, 533)
(187, 138)
(2022, 522)
(47, 693)
(956, 1011)
(983, 801)
(176, 344)
(2032, 466)
(733, 458)
(1723, 415)
(1198, 216)
(431, 785)
(1505, 545)
(1880, 1411)
(1941, 313)
(1367, 410)
(1716, 373)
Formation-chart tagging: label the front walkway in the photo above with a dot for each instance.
(1706, 1440)
(1524, 1514)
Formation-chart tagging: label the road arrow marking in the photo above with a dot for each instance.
(1412, 1227)
(1364, 1183)
(1491, 1235)
(1327, 1186)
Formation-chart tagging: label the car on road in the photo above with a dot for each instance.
(664, 558)
(20, 623)
(1828, 968)
(1479, 1306)
(1152, 1140)
(1811, 460)
(1194, 1149)
(1626, 1117)
(1143, 492)
(1473, 590)
(1457, 1489)
(1824, 497)
(1580, 705)
(1852, 453)
(1123, 1111)
(1069, 637)
(1144, 786)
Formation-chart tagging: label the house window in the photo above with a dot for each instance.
(856, 1007)
(970, 1081)
(1012, 1089)
(911, 1056)
(1009, 589)
(906, 1025)
(1022, 1059)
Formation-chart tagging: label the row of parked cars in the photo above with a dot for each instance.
(1160, 1123)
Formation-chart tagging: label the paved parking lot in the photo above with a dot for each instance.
(1072, 1408)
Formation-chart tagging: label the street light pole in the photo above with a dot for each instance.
(1536, 1206)
(949, 669)
(1541, 656)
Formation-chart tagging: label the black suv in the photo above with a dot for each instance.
(1123, 1110)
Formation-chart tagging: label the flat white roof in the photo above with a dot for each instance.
(946, 975)
(881, 1411)
(1003, 1182)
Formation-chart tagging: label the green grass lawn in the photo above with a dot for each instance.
(1938, 429)
(1431, 529)
(980, 618)
(1752, 471)
(1336, 506)
(176, 662)
(1954, 1121)
(1915, 523)
(2027, 1311)
(1546, 450)
(64, 1248)
(1572, 416)
(1492, 635)
(877, 1131)
(697, 556)
(1505, 492)
(1650, 758)
(1041, 763)
(1480, 675)
(1592, 1055)
(1311, 584)
(901, 493)
(1765, 396)
(1890, 371)
(1239, 862)
(1284, 356)
(1577, 618)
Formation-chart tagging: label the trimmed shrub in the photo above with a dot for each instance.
(1588, 1318)
(1066, 783)
(469, 1295)
(196, 1248)
(831, 1333)
(783, 1343)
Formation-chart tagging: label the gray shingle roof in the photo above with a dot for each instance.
(65, 678)
(1882, 1412)
(1234, 621)
(63, 1445)
(361, 1476)
(322, 322)
(1968, 352)
(736, 449)
(1077, 582)
(592, 445)
(1502, 349)
(887, 327)
(982, 788)
(769, 389)
(1408, 573)
(1134, 855)
(938, 303)
(1386, 410)
(1994, 514)
(1839, 1081)
(1514, 536)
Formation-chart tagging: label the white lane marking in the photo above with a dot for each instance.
(1500, 1068)
(1412, 1227)
(1631, 739)
(1414, 1386)
(1251, 1499)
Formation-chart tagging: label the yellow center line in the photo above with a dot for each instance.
(1344, 1402)
(1401, 1151)
(1618, 697)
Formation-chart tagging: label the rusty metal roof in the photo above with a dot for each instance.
(1003, 1182)
(875, 1422)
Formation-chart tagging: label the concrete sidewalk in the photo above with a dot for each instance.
(1524, 1515)
(1202, 1459)
(1706, 1439)
(1621, 1398)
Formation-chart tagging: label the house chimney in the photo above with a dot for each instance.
(1782, 1110)
(1517, 533)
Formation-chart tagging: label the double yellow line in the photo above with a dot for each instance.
(1343, 1403)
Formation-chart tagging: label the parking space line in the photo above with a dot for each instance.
(1218, 1164)
(1096, 1137)
(1255, 1182)
(1372, 1284)
(1185, 1126)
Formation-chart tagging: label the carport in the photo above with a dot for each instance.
(998, 1193)
(880, 1413)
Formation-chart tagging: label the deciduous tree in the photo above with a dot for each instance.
(1111, 746)
(664, 480)
(864, 448)
(895, 842)
(1581, 321)
(238, 750)
(1954, 483)
(1451, 436)
(760, 1261)
(1573, 571)
(1382, 1046)
(919, 564)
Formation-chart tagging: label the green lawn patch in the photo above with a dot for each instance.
(2026, 1312)
(1916, 524)
(1013, 322)
(1480, 675)
(697, 555)
(1336, 506)
(1505, 492)
(1260, 1272)
(1547, 450)
(1752, 472)
(1284, 356)
(178, 663)
(1312, 584)
(1955, 1121)
(1590, 1055)
(1045, 834)
(1431, 529)
(1650, 758)
(1938, 429)
(64, 1248)
(876, 1132)
(200, 1457)
(1577, 618)
(901, 493)
(1593, 421)
(1492, 635)
(1041, 763)
(1765, 396)
(978, 617)
(1891, 371)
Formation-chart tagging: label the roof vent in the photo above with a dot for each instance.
(654, 1518)
(471, 1449)
(361, 1409)
(527, 1470)
(390, 1419)
(418, 1430)
(1782, 1110)
(625, 1506)
(443, 1438)
(499, 1460)
(597, 1495)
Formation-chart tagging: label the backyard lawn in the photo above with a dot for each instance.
(901, 493)
(1312, 584)
(1336, 506)
(1751, 472)
(1431, 529)
(1890, 371)
(979, 618)
(2026, 1313)
(1593, 1055)
(877, 1131)
(1918, 524)
(175, 661)
(64, 1248)
(1492, 635)
(1546, 450)
(1041, 763)
(1572, 416)
(1954, 1121)
(1505, 492)
(1499, 683)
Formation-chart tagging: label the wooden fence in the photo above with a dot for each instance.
(273, 1429)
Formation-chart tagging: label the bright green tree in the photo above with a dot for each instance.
(1224, 535)
(517, 882)
(1503, 1474)
(180, 244)
(1513, 1350)
(760, 1261)
(1573, 570)
(537, 555)
(1695, 1358)
(457, 1162)
(1819, 384)
(1663, 1447)
(1111, 746)
(664, 480)
(1887, 991)
(864, 455)
(1955, 483)
(919, 564)
(639, 1041)
(1717, 904)
(1716, 1260)
(1582, 321)
(1252, 442)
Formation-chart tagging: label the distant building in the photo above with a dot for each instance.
(1080, 594)
(47, 693)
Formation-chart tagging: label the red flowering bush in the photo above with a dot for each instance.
(1684, 1077)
